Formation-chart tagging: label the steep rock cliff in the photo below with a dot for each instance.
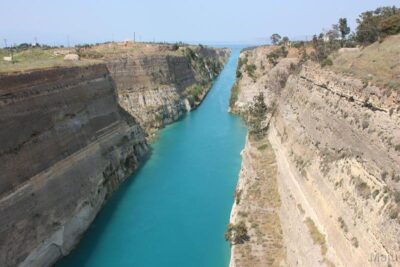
(72, 134)
(336, 141)
(157, 84)
(67, 145)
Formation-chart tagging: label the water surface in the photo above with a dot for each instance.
(174, 210)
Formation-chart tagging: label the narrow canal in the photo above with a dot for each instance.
(174, 210)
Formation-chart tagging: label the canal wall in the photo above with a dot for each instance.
(71, 135)
(337, 171)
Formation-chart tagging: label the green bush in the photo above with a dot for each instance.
(190, 54)
(175, 46)
(250, 69)
(238, 74)
(194, 93)
(257, 114)
(393, 214)
(237, 233)
(242, 61)
(396, 196)
(276, 54)
(273, 58)
(374, 25)
(327, 62)
(397, 147)
(234, 95)
(391, 25)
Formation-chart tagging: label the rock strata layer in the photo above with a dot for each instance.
(72, 135)
(337, 149)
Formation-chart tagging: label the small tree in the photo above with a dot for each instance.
(343, 28)
(285, 41)
(273, 58)
(257, 113)
(319, 46)
(323, 47)
(275, 38)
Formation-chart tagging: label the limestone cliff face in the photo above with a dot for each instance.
(66, 146)
(336, 142)
(159, 89)
(149, 87)
(72, 135)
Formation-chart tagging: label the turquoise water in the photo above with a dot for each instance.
(174, 210)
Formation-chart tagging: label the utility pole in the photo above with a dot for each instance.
(5, 43)
(36, 41)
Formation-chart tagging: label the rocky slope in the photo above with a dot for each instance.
(159, 86)
(337, 147)
(257, 205)
(68, 144)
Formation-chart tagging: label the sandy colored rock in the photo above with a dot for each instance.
(85, 130)
(71, 57)
(338, 168)
(257, 204)
(348, 50)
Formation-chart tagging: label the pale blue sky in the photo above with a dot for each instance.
(205, 21)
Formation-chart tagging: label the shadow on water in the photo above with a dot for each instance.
(84, 250)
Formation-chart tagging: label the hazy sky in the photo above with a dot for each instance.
(205, 21)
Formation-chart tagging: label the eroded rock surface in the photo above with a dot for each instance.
(159, 86)
(71, 135)
(66, 147)
(336, 142)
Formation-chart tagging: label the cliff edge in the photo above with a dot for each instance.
(336, 141)
(72, 133)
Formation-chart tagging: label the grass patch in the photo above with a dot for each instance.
(316, 235)
(250, 69)
(362, 188)
(327, 62)
(263, 146)
(234, 95)
(37, 58)
(194, 93)
(378, 62)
